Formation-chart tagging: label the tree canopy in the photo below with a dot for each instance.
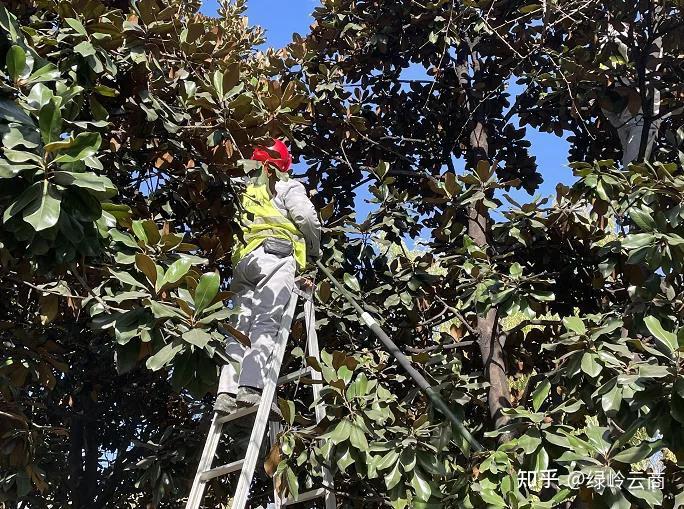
(553, 328)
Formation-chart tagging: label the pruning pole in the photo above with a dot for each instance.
(405, 363)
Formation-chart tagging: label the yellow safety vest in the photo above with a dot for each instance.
(262, 220)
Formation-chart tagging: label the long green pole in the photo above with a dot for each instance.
(404, 362)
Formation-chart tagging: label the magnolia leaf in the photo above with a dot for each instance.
(393, 477)
(76, 25)
(540, 394)
(421, 485)
(352, 282)
(575, 324)
(164, 356)
(86, 181)
(44, 212)
(49, 72)
(174, 273)
(146, 266)
(16, 62)
(341, 432)
(287, 408)
(151, 232)
(669, 339)
(85, 49)
(84, 145)
(206, 290)
(198, 337)
(636, 454)
(28, 196)
(162, 310)
(590, 365)
(49, 306)
(10, 112)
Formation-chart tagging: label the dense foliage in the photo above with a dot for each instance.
(554, 328)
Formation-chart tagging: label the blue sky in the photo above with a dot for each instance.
(282, 18)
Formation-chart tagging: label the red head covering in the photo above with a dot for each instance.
(281, 163)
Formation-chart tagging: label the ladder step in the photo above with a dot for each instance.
(291, 377)
(305, 497)
(222, 470)
(242, 412)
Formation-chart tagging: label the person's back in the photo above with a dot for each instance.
(281, 231)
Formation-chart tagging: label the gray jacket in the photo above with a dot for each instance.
(292, 201)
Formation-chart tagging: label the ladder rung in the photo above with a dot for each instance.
(222, 470)
(291, 377)
(240, 412)
(304, 497)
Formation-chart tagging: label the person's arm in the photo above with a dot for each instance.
(304, 215)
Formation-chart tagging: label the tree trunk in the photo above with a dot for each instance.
(83, 452)
(76, 459)
(489, 340)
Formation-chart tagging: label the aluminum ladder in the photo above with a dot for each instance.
(247, 465)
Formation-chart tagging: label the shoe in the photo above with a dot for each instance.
(225, 404)
(248, 396)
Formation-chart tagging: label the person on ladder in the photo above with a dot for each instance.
(281, 232)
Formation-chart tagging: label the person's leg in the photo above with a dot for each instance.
(270, 298)
(243, 290)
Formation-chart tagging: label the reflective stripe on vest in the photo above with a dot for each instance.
(262, 220)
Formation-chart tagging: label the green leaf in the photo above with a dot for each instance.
(162, 310)
(638, 453)
(10, 112)
(341, 432)
(139, 230)
(198, 337)
(28, 196)
(388, 460)
(206, 290)
(85, 49)
(287, 408)
(589, 364)
(84, 145)
(76, 25)
(669, 339)
(421, 485)
(393, 477)
(44, 212)
(492, 498)
(164, 356)
(125, 277)
(123, 238)
(540, 394)
(575, 324)
(643, 219)
(91, 181)
(174, 273)
(292, 483)
(16, 62)
(352, 282)
(151, 232)
(357, 437)
(48, 72)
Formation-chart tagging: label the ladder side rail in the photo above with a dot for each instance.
(267, 396)
(210, 446)
(314, 351)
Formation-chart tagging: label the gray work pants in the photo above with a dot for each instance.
(262, 283)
